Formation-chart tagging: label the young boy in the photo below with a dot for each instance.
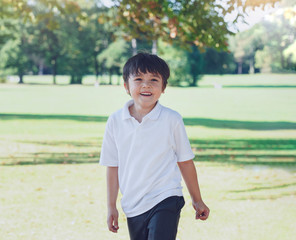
(146, 149)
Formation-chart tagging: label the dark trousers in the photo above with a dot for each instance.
(159, 223)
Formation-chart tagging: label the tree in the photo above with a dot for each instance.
(17, 51)
(114, 57)
(78, 60)
(177, 60)
(290, 52)
(196, 65)
(279, 35)
(82, 37)
(85, 39)
(218, 62)
(290, 56)
(101, 34)
(47, 44)
(23, 10)
(244, 46)
(30, 12)
(184, 22)
(263, 59)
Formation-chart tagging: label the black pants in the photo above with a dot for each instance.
(159, 223)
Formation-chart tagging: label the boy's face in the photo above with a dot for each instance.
(145, 88)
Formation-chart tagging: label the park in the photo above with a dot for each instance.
(243, 136)
(239, 117)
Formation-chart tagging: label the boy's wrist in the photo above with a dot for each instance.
(111, 205)
(196, 198)
(197, 201)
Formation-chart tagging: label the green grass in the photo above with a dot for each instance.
(244, 138)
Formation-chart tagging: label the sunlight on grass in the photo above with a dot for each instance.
(68, 202)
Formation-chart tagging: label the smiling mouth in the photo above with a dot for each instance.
(146, 94)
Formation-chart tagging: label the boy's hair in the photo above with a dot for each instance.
(146, 62)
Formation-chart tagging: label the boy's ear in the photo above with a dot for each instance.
(126, 87)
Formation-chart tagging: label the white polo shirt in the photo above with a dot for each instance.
(146, 155)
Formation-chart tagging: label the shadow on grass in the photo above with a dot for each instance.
(82, 118)
(255, 189)
(243, 152)
(247, 152)
(57, 143)
(264, 197)
(205, 122)
(232, 124)
(245, 144)
(259, 86)
(284, 161)
(49, 158)
(273, 192)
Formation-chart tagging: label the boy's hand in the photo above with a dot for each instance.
(202, 211)
(112, 220)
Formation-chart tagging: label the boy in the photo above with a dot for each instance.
(146, 149)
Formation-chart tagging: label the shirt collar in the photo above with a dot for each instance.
(153, 114)
(125, 113)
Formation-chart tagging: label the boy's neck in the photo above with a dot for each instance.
(139, 112)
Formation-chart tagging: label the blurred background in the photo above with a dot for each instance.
(233, 80)
(82, 38)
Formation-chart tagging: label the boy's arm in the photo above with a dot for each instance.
(189, 174)
(112, 192)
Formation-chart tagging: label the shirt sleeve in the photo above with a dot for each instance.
(182, 144)
(109, 153)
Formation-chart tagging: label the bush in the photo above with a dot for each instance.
(2, 79)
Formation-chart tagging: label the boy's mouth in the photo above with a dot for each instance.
(146, 94)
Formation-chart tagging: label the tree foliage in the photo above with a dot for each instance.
(184, 22)
(278, 39)
(268, 44)
(66, 36)
(244, 45)
(114, 57)
(177, 60)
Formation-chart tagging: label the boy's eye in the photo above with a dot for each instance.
(154, 80)
(138, 79)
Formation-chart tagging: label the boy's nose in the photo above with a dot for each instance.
(146, 84)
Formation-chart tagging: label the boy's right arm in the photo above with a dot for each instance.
(112, 192)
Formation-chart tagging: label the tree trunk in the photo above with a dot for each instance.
(134, 46)
(251, 69)
(194, 81)
(97, 83)
(240, 67)
(154, 47)
(40, 67)
(110, 77)
(21, 78)
(72, 80)
(282, 59)
(76, 79)
(54, 70)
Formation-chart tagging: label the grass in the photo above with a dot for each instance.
(244, 138)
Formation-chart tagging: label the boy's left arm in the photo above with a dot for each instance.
(189, 174)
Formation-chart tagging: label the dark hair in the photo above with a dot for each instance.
(146, 62)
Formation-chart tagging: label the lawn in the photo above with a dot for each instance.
(243, 135)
